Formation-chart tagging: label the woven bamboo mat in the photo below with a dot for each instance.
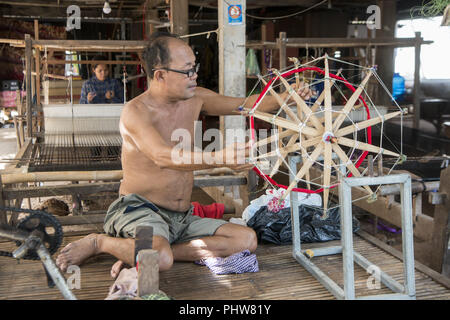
(280, 277)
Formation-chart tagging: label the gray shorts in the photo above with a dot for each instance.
(132, 210)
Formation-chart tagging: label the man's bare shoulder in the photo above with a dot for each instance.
(135, 109)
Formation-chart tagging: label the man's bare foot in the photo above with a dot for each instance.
(116, 268)
(76, 252)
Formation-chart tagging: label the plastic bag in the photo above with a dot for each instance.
(251, 63)
(277, 227)
(270, 199)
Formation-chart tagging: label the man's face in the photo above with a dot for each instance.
(181, 58)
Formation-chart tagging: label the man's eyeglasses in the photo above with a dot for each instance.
(189, 72)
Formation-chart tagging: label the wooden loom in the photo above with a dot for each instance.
(98, 143)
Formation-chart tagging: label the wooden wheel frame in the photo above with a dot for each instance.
(322, 136)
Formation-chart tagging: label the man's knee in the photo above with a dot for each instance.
(165, 254)
(247, 237)
(252, 240)
(165, 259)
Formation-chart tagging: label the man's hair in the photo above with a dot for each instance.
(97, 58)
(156, 53)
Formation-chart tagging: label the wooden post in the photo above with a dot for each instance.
(263, 51)
(151, 14)
(148, 272)
(281, 43)
(28, 53)
(416, 92)
(385, 54)
(440, 234)
(232, 80)
(38, 64)
(179, 14)
(3, 219)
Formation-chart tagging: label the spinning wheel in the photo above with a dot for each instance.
(316, 132)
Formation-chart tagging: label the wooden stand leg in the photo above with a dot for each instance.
(148, 272)
(3, 219)
(147, 261)
(440, 235)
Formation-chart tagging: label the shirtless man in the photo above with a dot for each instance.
(156, 190)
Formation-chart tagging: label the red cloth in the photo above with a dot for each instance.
(214, 210)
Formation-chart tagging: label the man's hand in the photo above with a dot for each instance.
(91, 96)
(242, 167)
(303, 90)
(234, 155)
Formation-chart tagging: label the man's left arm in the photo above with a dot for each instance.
(217, 104)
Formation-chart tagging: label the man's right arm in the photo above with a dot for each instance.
(137, 126)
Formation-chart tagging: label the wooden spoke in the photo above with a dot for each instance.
(305, 109)
(297, 82)
(351, 102)
(272, 138)
(365, 146)
(364, 124)
(307, 175)
(319, 100)
(283, 155)
(285, 123)
(286, 150)
(341, 154)
(327, 88)
(297, 146)
(282, 103)
(306, 165)
(326, 175)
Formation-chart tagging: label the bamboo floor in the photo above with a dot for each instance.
(280, 277)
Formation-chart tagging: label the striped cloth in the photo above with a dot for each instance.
(239, 262)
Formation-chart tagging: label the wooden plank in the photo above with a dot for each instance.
(387, 210)
(416, 89)
(45, 191)
(37, 64)
(219, 195)
(28, 54)
(440, 237)
(107, 62)
(3, 218)
(336, 42)
(281, 44)
(91, 45)
(280, 277)
(82, 219)
(90, 188)
(219, 181)
(398, 254)
(179, 11)
(148, 272)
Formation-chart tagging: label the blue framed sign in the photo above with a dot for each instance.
(235, 14)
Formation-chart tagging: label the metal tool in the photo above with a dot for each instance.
(36, 243)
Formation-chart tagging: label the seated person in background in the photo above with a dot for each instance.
(100, 88)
